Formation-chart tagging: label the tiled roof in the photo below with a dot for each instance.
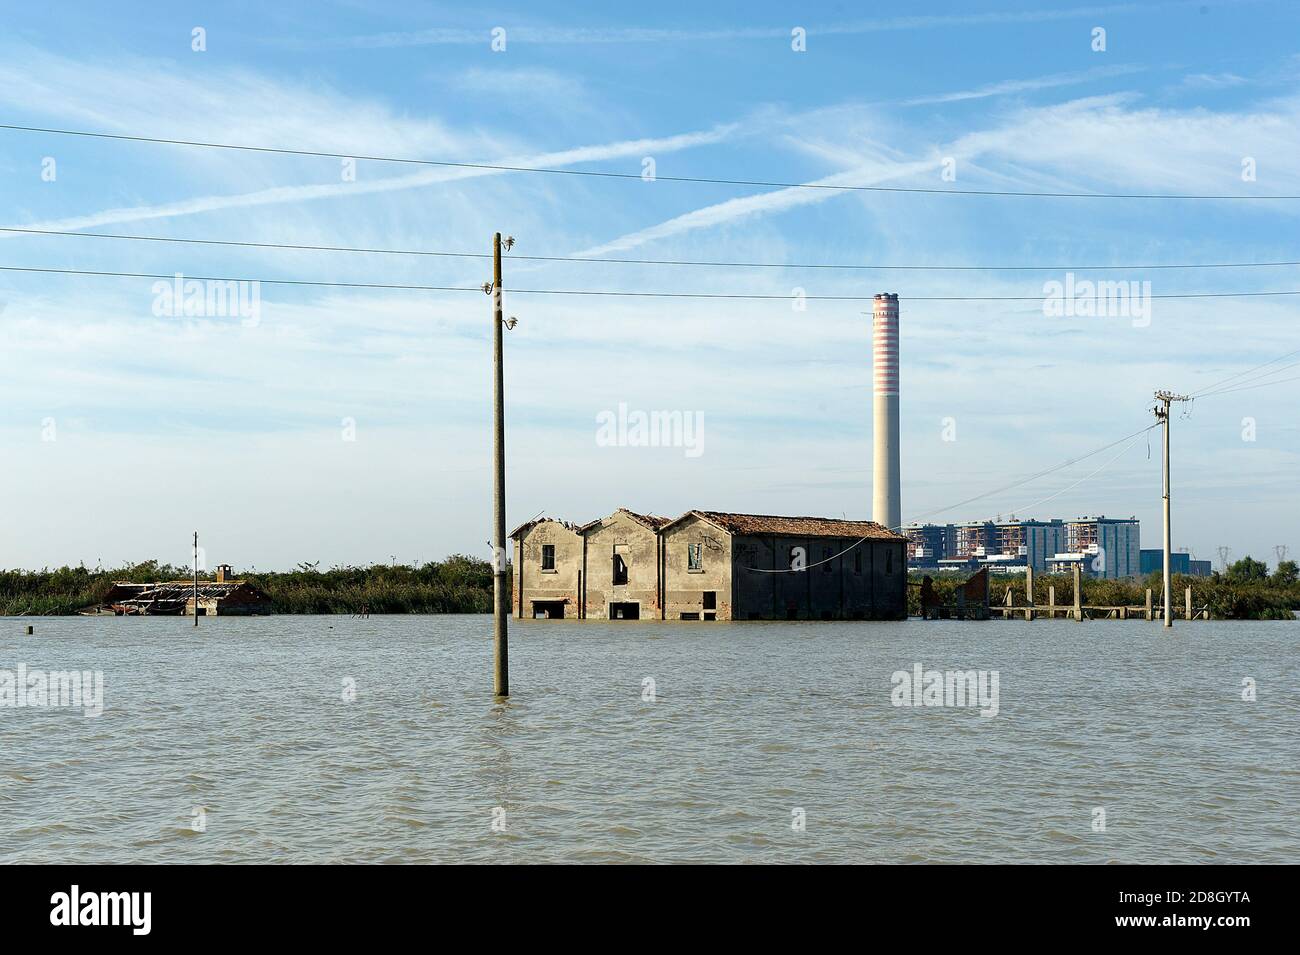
(524, 528)
(797, 526)
(747, 524)
(652, 521)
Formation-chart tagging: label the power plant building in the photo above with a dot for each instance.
(1180, 562)
(1102, 546)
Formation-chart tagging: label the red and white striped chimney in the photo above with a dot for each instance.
(886, 504)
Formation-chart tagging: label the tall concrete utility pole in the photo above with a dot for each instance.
(500, 603)
(886, 490)
(196, 578)
(1162, 414)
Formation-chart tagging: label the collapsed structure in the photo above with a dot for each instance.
(709, 565)
(223, 597)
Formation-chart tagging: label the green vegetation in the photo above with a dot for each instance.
(1245, 592)
(458, 584)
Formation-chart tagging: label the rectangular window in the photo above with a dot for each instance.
(690, 616)
(548, 557)
(710, 600)
(826, 560)
(620, 569)
(695, 557)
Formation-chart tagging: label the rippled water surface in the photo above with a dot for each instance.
(247, 718)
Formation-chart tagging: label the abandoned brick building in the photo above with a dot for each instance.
(709, 565)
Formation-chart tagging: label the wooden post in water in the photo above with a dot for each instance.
(196, 578)
(1078, 592)
(1029, 591)
(1051, 602)
(1148, 603)
(1188, 595)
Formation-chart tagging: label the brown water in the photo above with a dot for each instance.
(247, 719)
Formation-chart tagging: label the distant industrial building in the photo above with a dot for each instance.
(709, 565)
(1102, 546)
(927, 544)
(1180, 562)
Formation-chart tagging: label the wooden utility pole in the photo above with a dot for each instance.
(500, 604)
(196, 578)
(1163, 398)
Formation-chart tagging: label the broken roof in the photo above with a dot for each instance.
(651, 521)
(125, 591)
(742, 524)
(793, 526)
(525, 527)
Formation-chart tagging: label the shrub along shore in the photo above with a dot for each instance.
(463, 584)
(1248, 594)
(458, 584)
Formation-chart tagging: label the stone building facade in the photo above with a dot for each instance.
(548, 568)
(622, 566)
(710, 565)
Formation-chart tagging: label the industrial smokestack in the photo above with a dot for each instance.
(886, 490)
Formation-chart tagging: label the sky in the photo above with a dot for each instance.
(353, 425)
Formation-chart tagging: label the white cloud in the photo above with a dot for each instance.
(426, 177)
(1027, 85)
(546, 34)
(1091, 144)
(1213, 81)
(531, 84)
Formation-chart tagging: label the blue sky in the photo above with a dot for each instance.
(123, 430)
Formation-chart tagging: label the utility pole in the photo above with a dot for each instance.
(500, 603)
(196, 578)
(1162, 415)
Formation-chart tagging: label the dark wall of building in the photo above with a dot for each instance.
(842, 579)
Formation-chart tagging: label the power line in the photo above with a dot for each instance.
(1264, 384)
(1236, 386)
(739, 296)
(1241, 374)
(502, 167)
(1043, 473)
(1086, 477)
(251, 245)
(213, 278)
(670, 262)
(1131, 439)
